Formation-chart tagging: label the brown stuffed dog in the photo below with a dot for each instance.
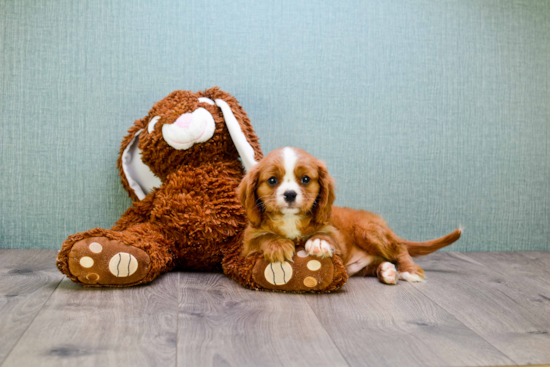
(181, 165)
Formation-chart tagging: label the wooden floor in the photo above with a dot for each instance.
(475, 309)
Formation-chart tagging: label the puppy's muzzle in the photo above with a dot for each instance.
(290, 196)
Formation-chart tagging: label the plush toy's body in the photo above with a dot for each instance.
(180, 165)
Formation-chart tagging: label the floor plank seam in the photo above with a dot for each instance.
(323, 326)
(30, 323)
(466, 326)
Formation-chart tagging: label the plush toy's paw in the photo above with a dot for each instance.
(387, 273)
(101, 261)
(305, 273)
(319, 247)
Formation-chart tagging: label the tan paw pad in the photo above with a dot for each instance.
(314, 265)
(310, 282)
(95, 247)
(278, 273)
(86, 262)
(93, 277)
(123, 264)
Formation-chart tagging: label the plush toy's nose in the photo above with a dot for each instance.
(184, 120)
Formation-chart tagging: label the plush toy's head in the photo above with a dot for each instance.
(185, 128)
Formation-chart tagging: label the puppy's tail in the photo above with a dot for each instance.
(425, 248)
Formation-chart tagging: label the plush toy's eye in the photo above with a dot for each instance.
(272, 181)
(305, 180)
(152, 123)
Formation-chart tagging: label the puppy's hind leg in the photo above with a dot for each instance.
(387, 273)
(407, 269)
(384, 270)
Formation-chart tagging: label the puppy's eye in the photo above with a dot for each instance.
(272, 181)
(305, 180)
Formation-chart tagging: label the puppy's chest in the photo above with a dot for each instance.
(289, 226)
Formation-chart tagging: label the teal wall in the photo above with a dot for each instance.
(431, 113)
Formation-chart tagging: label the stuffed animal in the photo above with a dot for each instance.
(181, 165)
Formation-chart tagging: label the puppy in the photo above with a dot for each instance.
(288, 198)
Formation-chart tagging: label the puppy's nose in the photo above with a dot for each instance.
(290, 196)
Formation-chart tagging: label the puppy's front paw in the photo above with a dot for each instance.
(319, 247)
(279, 250)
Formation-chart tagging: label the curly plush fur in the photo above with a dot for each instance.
(192, 221)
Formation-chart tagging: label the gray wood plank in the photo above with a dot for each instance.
(103, 327)
(27, 279)
(499, 306)
(538, 258)
(532, 273)
(378, 325)
(222, 323)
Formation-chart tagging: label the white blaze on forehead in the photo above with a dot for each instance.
(290, 158)
(288, 182)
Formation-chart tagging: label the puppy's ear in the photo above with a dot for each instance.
(326, 197)
(247, 195)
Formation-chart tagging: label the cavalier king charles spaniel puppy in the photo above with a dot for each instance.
(288, 198)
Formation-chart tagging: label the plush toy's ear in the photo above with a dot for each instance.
(326, 197)
(137, 177)
(239, 126)
(243, 146)
(247, 196)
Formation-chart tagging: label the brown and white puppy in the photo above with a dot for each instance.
(288, 197)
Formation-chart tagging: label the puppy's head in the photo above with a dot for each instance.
(287, 181)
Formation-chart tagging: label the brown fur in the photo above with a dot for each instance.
(195, 216)
(264, 234)
(354, 234)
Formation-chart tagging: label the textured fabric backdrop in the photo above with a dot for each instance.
(432, 113)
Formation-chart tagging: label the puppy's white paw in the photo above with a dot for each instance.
(413, 278)
(318, 247)
(388, 273)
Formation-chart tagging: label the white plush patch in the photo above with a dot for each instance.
(152, 124)
(86, 262)
(302, 253)
(190, 128)
(95, 247)
(140, 178)
(206, 100)
(389, 273)
(123, 264)
(413, 278)
(318, 247)
(246, 152)
(278, 273)
(289, 226)
(313, 265)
